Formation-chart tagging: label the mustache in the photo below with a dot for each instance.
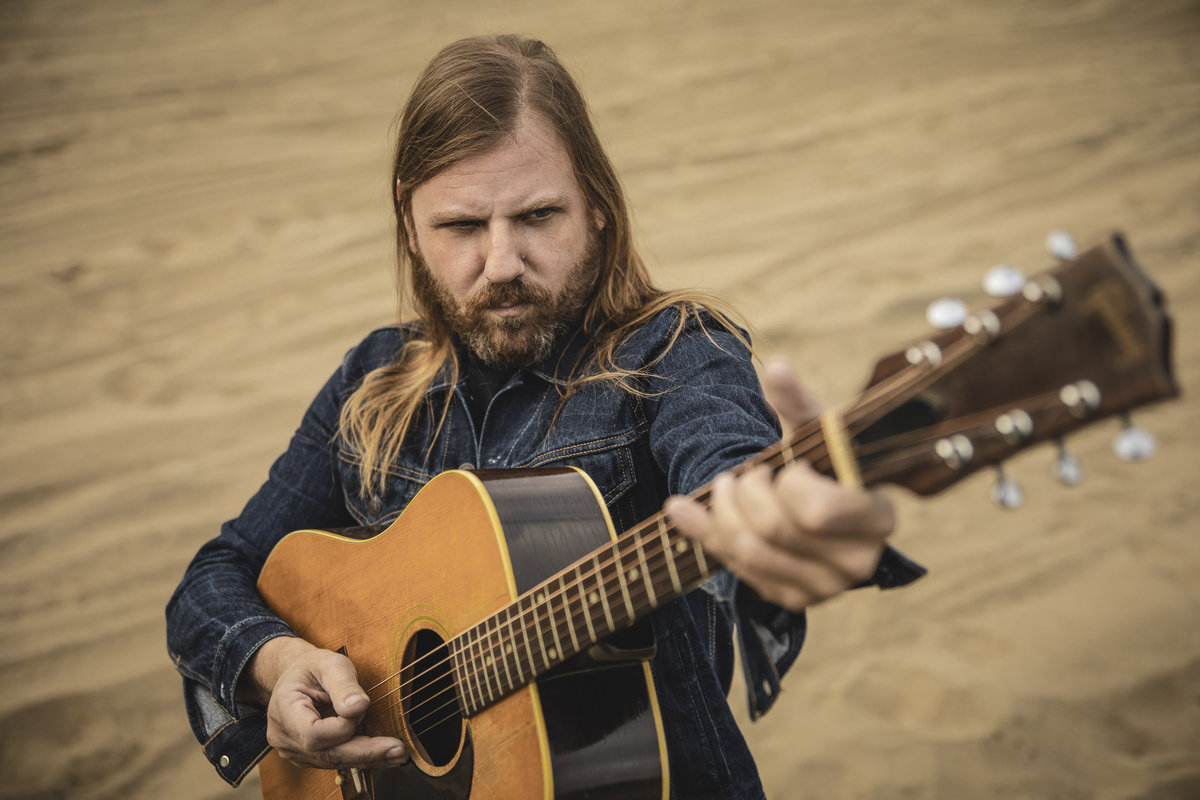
(512, 293)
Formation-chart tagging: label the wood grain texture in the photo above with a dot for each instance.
(194, 227)
(442, 566)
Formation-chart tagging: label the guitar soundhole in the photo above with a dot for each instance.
(430, 703)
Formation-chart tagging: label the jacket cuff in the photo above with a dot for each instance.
(895, 570)
(237, 647)
(233, 746)
(769, 640)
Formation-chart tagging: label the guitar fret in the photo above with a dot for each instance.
(646, 573)
(583, 603)
(603, 594)
(549, 603)
(512, 648)
(621, 580)
(477, 664)
(465, 680)
(700, 559)
(541, 639)
(662, 532)
(494, 653)
(525, 636)
(537, 626)
(503, 659)
(562, 583)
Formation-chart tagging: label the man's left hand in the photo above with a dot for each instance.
(797, 537)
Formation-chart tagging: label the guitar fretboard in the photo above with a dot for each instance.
(599, 595)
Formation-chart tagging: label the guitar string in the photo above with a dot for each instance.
(414, 724)
(623, 550)
(658, 571)
(620, 555)
(478, 663)
(874, 399)
(658, 568)
(907, 448)
(775, 457)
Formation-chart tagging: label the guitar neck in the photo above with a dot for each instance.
(608, 590)
(1084, 341)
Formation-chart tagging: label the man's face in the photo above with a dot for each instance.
(506, 247)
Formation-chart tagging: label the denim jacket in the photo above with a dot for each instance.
(703, 413)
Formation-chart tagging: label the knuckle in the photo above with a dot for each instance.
(794, 599)
(819, 511)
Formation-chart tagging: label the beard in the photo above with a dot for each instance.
(512, 342)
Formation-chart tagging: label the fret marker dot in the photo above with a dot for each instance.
(508, 648)
(633, 573)
(488, 661)
(680, 546)
(541, 598)
(552, 654)
(593, 598)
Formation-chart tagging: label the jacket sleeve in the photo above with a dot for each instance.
(216, 620)
(709, 415)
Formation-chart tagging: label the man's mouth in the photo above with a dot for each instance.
(507, 312)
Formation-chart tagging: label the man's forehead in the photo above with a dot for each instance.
(531, 167)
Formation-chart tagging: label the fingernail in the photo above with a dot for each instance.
(397, 755)
(355, 699)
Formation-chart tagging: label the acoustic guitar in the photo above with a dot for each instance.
(507, 651)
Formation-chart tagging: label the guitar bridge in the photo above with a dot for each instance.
(354, 783)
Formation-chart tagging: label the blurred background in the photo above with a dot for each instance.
(195, 225)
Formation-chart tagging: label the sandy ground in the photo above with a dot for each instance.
(194, 226)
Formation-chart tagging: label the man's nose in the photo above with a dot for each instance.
(504, 259)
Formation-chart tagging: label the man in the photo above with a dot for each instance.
(539, 340)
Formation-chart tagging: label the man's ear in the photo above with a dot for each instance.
(598, 220)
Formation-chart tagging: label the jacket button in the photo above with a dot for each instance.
(467, 465)
(375, 505)
(224, 761)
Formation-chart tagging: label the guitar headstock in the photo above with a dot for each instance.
(1086, 340)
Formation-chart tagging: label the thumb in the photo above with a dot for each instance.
(794, 404)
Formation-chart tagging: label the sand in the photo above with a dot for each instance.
(194, 226)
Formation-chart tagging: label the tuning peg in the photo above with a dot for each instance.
(1133, 443)
(1066, 466)
(946, 312)
(1005, 492)
(1061, 245)
(1003, 280)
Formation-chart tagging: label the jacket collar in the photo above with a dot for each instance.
(555, 368)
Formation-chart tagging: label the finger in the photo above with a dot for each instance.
(763, 510)
(794, 404)
(826, 508)
(363, 752)
(337, 676)
(688, 517)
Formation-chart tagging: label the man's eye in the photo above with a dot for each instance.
(459, 225)
(539, 214)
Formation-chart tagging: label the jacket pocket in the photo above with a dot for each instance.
(376, 507)
(607, 461)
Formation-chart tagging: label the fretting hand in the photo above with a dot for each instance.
(797, 537)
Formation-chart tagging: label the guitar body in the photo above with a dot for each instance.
(468, 544)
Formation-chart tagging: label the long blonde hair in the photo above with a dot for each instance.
(470, 95)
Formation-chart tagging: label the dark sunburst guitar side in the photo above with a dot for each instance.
(399, 603)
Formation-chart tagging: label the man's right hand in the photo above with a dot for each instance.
(315, 706)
